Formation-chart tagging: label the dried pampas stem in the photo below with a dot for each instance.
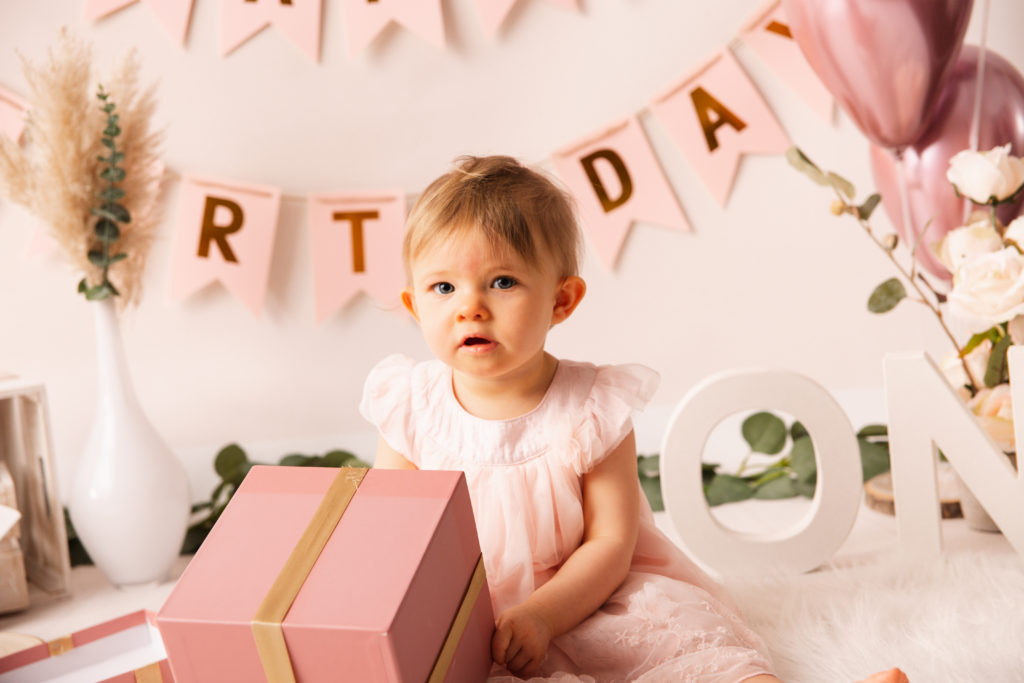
(57, 176)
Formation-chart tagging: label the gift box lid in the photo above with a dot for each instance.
(113, 649)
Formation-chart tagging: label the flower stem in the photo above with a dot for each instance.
(912, 281)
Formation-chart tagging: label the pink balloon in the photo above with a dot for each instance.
(884, 60)
(930, 195)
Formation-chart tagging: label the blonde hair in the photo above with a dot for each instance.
(513, 206)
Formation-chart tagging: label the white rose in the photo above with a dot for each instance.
(961, 244)
(989, 289)
(983, 176)
(994, 408)
(1015, 232)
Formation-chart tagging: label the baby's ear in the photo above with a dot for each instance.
(567, 298)
(409, 301)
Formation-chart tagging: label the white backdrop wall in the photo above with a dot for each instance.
(771, 279)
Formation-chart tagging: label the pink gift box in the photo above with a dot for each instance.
(123, 650)
(396, 594)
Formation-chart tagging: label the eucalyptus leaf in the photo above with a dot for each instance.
(118, 211)
(295, 460)
(113, 174)
(873, 430)
(801, 459)
(107, 142)
(765, 432)
(886, 296)
(83, 286)
(117, 257)
(842, 184)
(805, 488)
(800, 162)
(229, 461)
(992, 334)
(874, 458)
(781, 487)
(113, 130)
(868, 207)
(797, 430)
(337, 458)
(106, 230)
(111, 194)
(997, 370)
(97, 258)
(104, 290)
(725, 488)
(708, 472)
(652, 489)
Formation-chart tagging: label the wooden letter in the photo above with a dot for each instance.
(812, 540)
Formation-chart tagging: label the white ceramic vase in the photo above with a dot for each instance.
(130, 499)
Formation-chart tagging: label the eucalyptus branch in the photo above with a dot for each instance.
(913, 282)
(110, 213)
(892, 291)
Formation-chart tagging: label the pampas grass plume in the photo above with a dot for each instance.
(57, 175)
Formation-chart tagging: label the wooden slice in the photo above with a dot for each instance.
(11, 642)
(878, 495)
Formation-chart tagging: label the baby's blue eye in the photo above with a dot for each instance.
(504, 282)
(443, 288)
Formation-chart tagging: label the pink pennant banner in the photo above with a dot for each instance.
(365, 19)
(297, 19)
(715, 116)
(225, 231)
(12, 114)
(357, 246)
(768, 35)
(494, 12)
(617, 180)
(173, 15)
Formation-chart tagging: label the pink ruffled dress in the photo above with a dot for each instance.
(668, 621)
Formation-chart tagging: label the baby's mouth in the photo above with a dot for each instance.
(476, 343)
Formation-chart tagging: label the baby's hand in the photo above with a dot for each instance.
(521, 640)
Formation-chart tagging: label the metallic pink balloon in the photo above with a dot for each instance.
(884, 60)
(930, 194)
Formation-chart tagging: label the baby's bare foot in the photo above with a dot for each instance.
(890, 676)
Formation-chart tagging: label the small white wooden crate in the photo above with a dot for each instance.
(26, 446)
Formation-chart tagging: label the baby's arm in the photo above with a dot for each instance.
(589, 576)
(390, 459)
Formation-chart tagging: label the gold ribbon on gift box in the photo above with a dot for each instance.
(266, 623)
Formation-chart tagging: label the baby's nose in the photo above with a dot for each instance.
(472, 307)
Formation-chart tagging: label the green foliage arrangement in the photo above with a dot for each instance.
(110, 212)
(231, 464)
(790, 475)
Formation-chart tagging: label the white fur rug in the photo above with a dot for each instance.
(960, 619)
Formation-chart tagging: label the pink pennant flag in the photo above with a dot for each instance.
(365, 19)
(357, 245)
(174, 15)
(494, 12)
(616, 180)
(297, 19)
(769, 36)
(12, 114)
(225, 232)
(715, 116)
